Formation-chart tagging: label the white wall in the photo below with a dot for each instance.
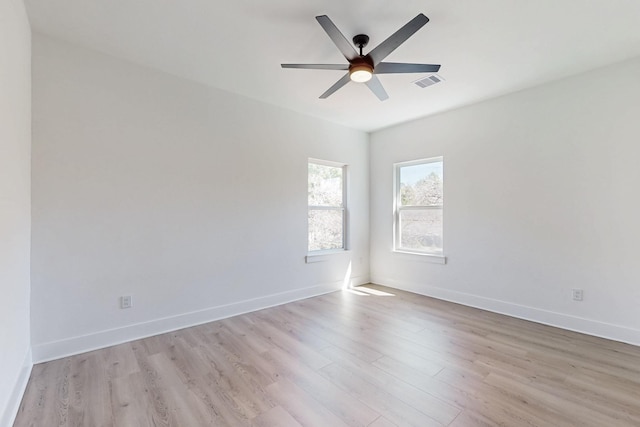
(15, 201)
(541, 196)
(193, 201)
(190, 199)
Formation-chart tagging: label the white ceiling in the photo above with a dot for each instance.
(486, 48)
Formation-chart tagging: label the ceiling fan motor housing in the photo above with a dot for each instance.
(361, 69)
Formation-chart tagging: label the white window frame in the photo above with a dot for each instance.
(342, 209)
(437, 257)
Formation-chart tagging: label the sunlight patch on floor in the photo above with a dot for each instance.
(375, 292)
(367, 292)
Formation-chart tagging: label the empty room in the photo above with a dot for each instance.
(275, 214)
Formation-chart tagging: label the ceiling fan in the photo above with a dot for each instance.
(363, 68)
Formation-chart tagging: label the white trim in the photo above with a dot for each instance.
(8, 417)
(101, 339)
(326, 162)
(397, 207)
(343, 208)
(420, 161)
(545, 317)
(422, 256)
(326, 208)
(419, 208)
(322, 256)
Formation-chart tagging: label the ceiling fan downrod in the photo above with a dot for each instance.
(361, 41)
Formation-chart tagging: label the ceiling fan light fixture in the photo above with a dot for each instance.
(361, 73)
(361, 67)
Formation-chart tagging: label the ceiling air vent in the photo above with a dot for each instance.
(429, 81)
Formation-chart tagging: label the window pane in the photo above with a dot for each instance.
(421, 230)
(421, 185)
(325, 185)
(325, 229)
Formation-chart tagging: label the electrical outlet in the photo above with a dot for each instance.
(577, 294)
(125, 301)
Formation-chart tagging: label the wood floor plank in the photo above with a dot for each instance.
(382, 422)
(244, 395)
(182, 407)
(303, 406)
(282, 320)
(248, 364)
(417, 378)
(130, 403)
(275, 417)
(384, 402)
(500, 404)
(333, 332)
(424, 402)
(244, 327)
(374, 356)
(291, 345)
(120, 360)
(89, 396)
(471, 419)
(344, 405)
(47, 399)
(219, 404)
(560, 398)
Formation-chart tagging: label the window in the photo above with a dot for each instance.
(418, 206)
(327, 213)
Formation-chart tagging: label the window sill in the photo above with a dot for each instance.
(322, 256)
(415, 256)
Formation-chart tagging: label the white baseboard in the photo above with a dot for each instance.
(101, 339)
(13, 404)
(551, 318)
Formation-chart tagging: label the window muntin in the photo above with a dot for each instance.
(419, 206)
(327, 206)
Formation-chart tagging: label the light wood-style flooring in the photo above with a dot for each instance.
(373, 356)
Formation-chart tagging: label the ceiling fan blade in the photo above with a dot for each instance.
(338, 38)
(337, 85)
(376, 87)
(401, 67)
(396, 39)
(317, 66)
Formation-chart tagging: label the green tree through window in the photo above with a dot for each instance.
(419, 206)
(326, 206)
